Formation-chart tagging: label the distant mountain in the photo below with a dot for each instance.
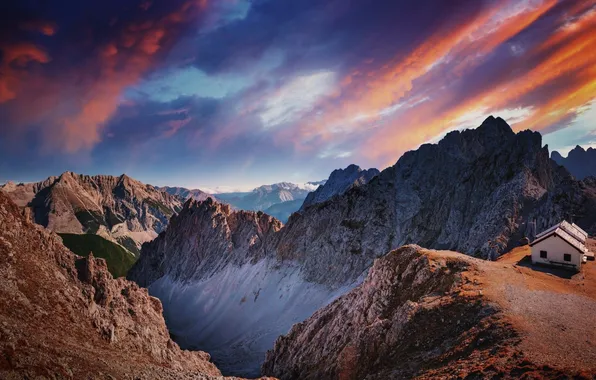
(580, 162)
(340, 181)
(283, 210)
(184, 193)
(119, 209)
(266, 196)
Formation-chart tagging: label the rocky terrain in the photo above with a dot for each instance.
(580, 162)
(223, 290)
(119, 209)
(185, 193)
(438, 314)
(476, 192)
(340, 181)
(64, 316)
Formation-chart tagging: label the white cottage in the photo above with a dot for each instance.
(561, 245)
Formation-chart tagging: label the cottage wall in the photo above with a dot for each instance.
(555, 248)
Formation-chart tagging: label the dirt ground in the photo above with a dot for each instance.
(553, 309)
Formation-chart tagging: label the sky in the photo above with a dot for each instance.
(239, 93)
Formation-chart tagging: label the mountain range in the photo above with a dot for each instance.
(111, 216)
(343, 290)
(580, 162)
(232, 281)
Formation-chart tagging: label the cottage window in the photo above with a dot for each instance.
(543, 254)
(567, 257)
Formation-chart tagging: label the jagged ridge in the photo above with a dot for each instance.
(120, 209)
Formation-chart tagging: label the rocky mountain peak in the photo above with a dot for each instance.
(119, 209)
(340, 181)
(580, 162)
(205, 235)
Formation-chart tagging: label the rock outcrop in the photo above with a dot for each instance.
(64, 316)
(580, 162)
(431, 314)
(120, 209)
(475, 192)
(340, 181)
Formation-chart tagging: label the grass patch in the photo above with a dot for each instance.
(119, 259)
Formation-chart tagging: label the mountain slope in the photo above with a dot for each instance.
(119, 209)
(475, 192)
(580, 162)
(340, 181)
(62, 316)
(439, 314)
(118, 259)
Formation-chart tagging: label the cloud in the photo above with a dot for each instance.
(71, 98)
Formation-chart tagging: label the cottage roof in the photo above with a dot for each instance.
(566, 231)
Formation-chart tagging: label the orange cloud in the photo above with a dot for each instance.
(366, 102)
(47, 28)
(15, 59)
(86, 97)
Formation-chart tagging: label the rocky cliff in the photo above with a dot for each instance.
(340, 181)
(120, 209)
(223, 289)
(64, 316)
(430, 314)
(580, 162)
(475, 192)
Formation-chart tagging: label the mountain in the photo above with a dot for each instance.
(284, 195)
(63, 316)
(340, 181)
(283, 210)
(438, 314)
(230, 282)
(185, 193)
(580, 162)
(119, 209)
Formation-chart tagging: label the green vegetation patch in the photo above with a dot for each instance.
(119, 259)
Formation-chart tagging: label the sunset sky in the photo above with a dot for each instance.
(240, 93)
